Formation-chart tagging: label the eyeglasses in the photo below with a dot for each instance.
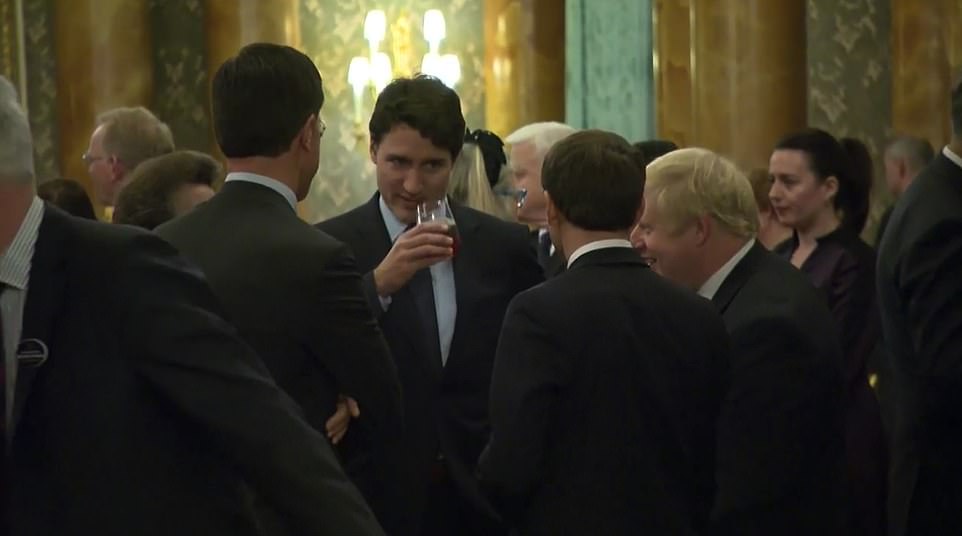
(321, 127)
(90, 159)
(521, 197)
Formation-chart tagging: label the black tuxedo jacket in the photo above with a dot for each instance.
(920, 294)
(780, 442)
(607, 385)
(295, 295)
(446, 409)
(149, 412)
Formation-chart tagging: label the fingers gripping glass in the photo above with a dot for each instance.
(439, 212)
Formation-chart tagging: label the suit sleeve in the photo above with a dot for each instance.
(185, 351)
(345, 335)
(529, 371)
(929, 280)
(781, 405)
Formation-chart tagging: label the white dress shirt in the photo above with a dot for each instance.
(15, 266)
(596, 245)
(710, 287)
(956, 159)
(268, 182)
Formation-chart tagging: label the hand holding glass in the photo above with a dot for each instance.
(439, 212)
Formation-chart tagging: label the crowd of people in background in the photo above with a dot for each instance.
(600, 337)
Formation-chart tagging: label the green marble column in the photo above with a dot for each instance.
(608, 70)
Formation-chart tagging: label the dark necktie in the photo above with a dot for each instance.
(544, 248)
(422, 288)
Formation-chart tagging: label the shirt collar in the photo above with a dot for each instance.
(16, 260)
(956, 159)
(710, 287)
(394, 226)
(267, 182)
(596, 245)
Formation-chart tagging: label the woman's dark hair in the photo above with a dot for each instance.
(67, 195)
(492, 152)
(651, 150)
(848, 161)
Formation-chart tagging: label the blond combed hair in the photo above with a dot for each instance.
(469, 184)
(686, 184)
(134, 135)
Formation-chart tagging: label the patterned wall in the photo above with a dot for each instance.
(849, 78)
(609, 82)
(180, 71)
(42, 86)
(332, 33)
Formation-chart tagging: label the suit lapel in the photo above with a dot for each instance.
(44, 296)
(404, 310)
(464, 266)
(738, 277)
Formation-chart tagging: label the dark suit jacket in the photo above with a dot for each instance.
(607, 385)
(446, 409)
(780, 443)
(295, 295)
(920, 293)
(149, 410)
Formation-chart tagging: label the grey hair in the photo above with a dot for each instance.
(16, 143)
(135, 134)
(916, 152)
(543, 135)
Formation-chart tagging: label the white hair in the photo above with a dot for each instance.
(541, 135)
(16, 143)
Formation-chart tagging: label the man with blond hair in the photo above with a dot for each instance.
(529, 145)
(780, 446)
(124, 138)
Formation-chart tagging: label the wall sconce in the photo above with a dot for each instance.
(376, 70)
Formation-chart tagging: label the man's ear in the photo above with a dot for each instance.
(552, 214)
(373, 150)
(704, 227)
(306, 136)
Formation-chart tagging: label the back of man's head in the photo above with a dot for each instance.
(134, 135)
(541, 135)
(16, 143)
(425, 104)
(595, 180)
(688, 183)
(261, 98)
(914, 151)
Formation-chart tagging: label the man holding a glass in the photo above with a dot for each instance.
(439, 278)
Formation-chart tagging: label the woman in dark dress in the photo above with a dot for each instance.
(820, 188)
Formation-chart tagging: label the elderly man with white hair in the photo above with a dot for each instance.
(529, 145)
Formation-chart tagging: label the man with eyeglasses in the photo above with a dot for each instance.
(293, 292)
(529, 145)
(123, 138)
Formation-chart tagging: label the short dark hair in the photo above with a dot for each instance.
(847, 160)
(147, 201)
(67, 195)
(652, 149)
(261, 98)
(596, 180)
(425, 104)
